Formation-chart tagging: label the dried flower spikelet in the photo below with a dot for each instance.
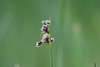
(48, 23)
(52, 39)
(45, 26)
(45, 35)
(45, 38)
(38, 44)
(44, 22)
(43, 29)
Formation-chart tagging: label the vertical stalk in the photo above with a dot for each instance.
(50, 47)
(94, 64)
(51, 61)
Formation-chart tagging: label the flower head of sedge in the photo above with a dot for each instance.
(46, 33)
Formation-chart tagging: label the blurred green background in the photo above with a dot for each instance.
(75, 27)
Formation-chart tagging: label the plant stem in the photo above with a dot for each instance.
(50, 48)
(51, 61)
(94, 64)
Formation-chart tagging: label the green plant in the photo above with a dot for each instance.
(46, 29)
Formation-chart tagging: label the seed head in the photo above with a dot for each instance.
(45, 38)
(38, 44)
(52, 39)
(45, 32)
(44, 22)
(48, 21)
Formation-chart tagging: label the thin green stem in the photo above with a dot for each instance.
(51, 61)
(94, 64)
(50, 47)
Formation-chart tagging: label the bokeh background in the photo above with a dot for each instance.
(75, 27)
